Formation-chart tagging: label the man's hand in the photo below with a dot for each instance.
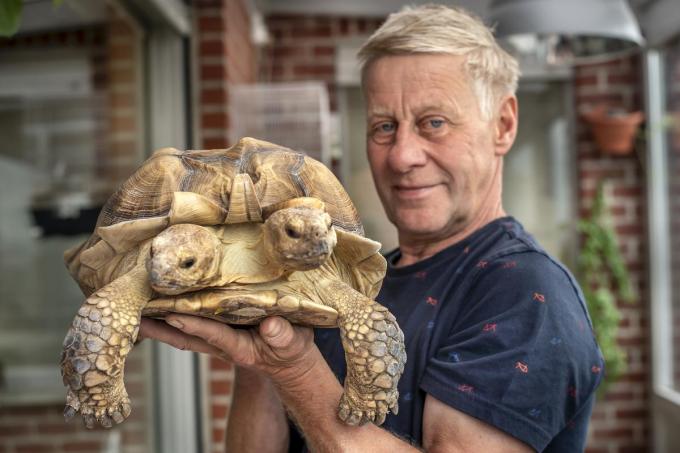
(278, 349)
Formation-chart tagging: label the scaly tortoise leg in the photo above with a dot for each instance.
(95, 347)
(374, 351)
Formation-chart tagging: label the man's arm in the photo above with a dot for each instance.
(446, 429)
(257, 420)
(309, 390)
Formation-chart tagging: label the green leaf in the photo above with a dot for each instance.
(56, 3)
(605, 280)
(10, 14)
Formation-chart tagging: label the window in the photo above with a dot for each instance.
(663, 176)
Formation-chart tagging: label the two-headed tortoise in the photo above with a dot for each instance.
(235, 235)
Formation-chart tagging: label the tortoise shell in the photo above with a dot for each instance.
(225, 176)
(208, 187)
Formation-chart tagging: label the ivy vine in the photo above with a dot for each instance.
(605, 280)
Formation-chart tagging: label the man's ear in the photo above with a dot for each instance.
(506, 125)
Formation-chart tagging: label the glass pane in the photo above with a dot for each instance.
(70, 109)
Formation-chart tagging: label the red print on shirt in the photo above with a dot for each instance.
(523, 367)
(466, 388)
(596, 369)
(431, 301)
(421, 275)
(466, 250)
(482, 264)
(491, 327)
(509, 264)
(539, 297)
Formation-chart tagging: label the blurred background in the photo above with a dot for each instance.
(89, 88)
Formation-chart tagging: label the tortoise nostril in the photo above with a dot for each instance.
(292, 232)
(187, 263)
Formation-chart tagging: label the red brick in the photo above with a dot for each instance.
(287, 51)
(214, 96)
(120, 51)
(219, 410)
(210, 24)
(324, 51)
(35, 448)
(215, 120)
(219, 364)
(60, 427)
(212, 72)
(632, 413)
(628, 191)
(312, 70)
(218, 435)
(83, 445)
(311, 32)
(215, 143)
(614, 433)
(122, 123)
(212, 48)
(13, 430)
(220, 387)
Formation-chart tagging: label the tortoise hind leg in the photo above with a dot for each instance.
(95, 347)
(374, 351)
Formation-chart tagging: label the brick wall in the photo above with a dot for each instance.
(621, 417)
(224, 56)
(303, 47)
(121, 74)
(113, 50)
(40, 428)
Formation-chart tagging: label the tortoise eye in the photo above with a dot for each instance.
(187, 263)
(293, 232)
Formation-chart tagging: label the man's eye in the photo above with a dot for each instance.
(435, 122)
(386, 127)
(383, 132)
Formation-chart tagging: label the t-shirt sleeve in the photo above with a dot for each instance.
(520, 354)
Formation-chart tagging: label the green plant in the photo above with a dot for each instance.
(605, 279)
(10, 15)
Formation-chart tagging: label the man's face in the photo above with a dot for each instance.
(433, 157)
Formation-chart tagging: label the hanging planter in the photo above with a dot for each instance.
(614, 129)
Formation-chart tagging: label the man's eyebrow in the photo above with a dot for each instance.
(379, 111)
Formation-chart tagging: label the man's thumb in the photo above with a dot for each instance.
(277, 332)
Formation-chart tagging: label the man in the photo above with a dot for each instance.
(501, 355)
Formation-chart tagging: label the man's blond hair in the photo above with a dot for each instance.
(438, 29)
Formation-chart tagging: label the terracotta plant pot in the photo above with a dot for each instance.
(614, 130)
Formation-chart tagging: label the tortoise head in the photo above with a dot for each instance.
(299, 237)
(184, 257)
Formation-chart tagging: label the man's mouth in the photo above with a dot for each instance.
(413, 191)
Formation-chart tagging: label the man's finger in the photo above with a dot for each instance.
(277, 332)
(159, 330)
(216, 334)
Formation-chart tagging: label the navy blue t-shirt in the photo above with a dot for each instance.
(495, 328)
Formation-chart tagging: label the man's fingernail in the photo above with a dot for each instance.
(175, 323)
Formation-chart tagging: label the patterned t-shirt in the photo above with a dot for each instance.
(495, 328)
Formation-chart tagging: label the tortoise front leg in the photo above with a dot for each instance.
(95, 347)
(374, 351)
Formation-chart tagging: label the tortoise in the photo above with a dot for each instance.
(260, 224)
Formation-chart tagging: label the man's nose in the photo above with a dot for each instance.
(407, 152)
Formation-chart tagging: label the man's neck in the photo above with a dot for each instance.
(417, 249)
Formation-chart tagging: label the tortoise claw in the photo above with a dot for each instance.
(69, 413)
